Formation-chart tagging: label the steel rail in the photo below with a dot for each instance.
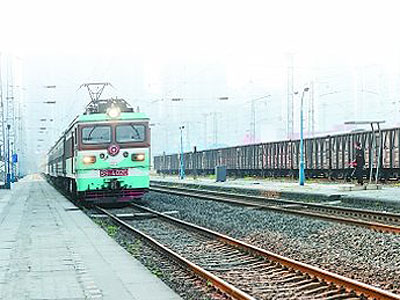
(338, 280)
(210, 195)
(217, 282)
(376, 214)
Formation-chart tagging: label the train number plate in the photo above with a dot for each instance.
(114, 172)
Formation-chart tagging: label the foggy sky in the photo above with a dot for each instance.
(154, 51)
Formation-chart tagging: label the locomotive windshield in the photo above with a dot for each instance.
(130, 133)
(96, 134)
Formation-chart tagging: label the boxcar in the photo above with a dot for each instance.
(325, 157)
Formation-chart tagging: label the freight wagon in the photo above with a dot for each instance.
(325, 157)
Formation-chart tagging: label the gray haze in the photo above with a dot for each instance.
(245, 53)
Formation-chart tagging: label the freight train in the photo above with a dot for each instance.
(103, 155)
(325, 157)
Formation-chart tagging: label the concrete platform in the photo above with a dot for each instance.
(48, 250)
(322, 191)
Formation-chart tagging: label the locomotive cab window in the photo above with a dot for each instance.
(130, 133)
(96, 134)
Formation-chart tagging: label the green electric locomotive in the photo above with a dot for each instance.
(104, 155)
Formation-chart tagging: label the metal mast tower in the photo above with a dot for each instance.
(290, 99)
(11, 130)
(18, 119)
(10, 122)
(311, 111)
(3, 156)
(215, 127)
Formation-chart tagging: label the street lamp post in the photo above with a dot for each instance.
(8, 177)
(52, 102)
(182, 168)
(164, 133)
(253, 116)
(214, 115)
(12, 162)
(205, 115)
(52, 128)
(301, 168)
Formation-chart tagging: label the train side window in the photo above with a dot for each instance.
(68, 148)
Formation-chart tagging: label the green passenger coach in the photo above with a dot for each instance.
(104, 155)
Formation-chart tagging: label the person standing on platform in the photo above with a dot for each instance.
(359, 163)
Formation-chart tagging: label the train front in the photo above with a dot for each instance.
(112, 162)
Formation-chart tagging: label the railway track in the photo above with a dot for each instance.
(376, 220)
(240, 270)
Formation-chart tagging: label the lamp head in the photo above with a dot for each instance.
(113, 112)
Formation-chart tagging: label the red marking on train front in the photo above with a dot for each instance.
(113, 150)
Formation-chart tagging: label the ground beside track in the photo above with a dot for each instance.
(387, 197)
(354, 252)
(49, 249)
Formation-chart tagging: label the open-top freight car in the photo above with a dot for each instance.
(103, 156)
(325, 157)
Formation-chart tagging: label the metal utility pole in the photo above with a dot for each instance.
(10, 121)
(215, 128)
(8, 175)
(205, 130)
(182, 166)
(290, 99)
(253, 122)
(3, 149)
(301, 168)
(188, 128)
(312, 109)
(12, 117)
(17, 93)
(253, 125)
(20, 133)
(52, 128)
(215, 116)
(311, 112)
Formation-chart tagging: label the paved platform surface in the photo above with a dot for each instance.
(48, 250)
(389, 194)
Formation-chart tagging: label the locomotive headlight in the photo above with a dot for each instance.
(138, 157)
(113, 112)
(89, 159)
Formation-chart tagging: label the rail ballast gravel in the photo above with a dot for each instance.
(353, 216)
(286, 265)
(220, 284)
